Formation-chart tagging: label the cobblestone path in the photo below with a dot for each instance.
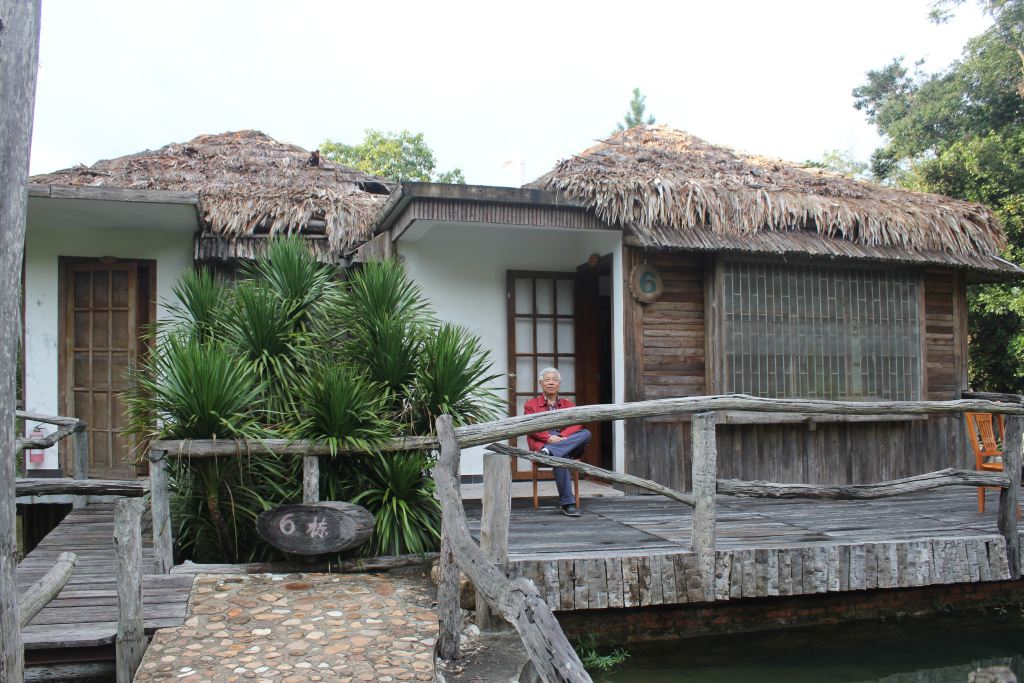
(300, 627)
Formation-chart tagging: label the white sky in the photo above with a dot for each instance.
(485, 82)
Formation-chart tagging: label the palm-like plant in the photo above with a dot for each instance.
(452, 378)
(193, 389)
(199, 302)
(288, 268)
(398, 490)
(290, 351)
(343, 408)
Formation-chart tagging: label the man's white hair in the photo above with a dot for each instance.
(549, 371)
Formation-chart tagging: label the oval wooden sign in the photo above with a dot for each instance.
(315, 528)
(645, 283)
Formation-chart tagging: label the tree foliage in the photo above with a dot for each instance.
(635, 115)
(395, 156)
(960, 132)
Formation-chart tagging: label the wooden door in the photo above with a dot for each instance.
(541, 333)
(101, 343)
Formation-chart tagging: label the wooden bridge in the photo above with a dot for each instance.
(76, 631)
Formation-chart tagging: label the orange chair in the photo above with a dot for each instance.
(575, 484)
(987, 445)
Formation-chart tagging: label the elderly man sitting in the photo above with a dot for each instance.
(568, 442)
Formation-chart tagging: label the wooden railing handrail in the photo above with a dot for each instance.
(488, 432)
(882, 489)
(125, 488)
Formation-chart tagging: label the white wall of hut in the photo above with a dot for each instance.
(461, 268)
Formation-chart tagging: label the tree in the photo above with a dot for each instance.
(960, 132)
(842, 163)
(395, 156)
(635, 115)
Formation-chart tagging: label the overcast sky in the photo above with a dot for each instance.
(486, 82)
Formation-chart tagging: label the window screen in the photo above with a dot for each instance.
(828, 333)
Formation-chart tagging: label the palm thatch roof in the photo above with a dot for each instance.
(673, 190)
(249, 184)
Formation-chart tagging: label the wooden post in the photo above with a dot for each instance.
(19, 59)
(705, 475)
(80, 440)
(311, 479)
(1009, 498)
(131, 638)
(449, 611)
(160, 500)
(497, 505)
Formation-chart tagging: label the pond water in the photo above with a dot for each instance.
(935, 650)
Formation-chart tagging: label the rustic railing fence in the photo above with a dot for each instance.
(128, 510)
(517, 601)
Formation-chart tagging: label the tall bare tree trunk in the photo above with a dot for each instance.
(19, 56)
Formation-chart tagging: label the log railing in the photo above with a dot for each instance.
(517, 601)
(66, 427)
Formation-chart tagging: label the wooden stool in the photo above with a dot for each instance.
(575, 484)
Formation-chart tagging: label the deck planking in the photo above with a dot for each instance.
(84, 614)
(635, 550)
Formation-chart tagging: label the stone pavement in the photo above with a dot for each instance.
(300, 627)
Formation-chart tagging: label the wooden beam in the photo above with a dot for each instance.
(19, 60)
(593, 470)
(40, 593)
(705, 470)
(131, 637)
(80, 444)
(82, 487)
(518, 601)
(69, 672)
(1009, 497)
(160, 505)
(360, 565)
(882, 489)
(494, 519)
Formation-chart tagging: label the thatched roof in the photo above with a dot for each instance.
(669, 188)
(248, 184)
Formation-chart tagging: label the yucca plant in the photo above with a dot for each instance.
(398, 490)
(199, 303)
(340, 406)
(452, 378)
(193, 389)
(290, 270)
(262, 328)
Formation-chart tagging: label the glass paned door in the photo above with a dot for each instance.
(541, 334)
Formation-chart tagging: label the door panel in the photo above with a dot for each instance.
(541, 333)
(101, 342)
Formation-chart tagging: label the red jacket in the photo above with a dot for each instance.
(537, 440)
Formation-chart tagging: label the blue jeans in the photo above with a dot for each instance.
(570, 447)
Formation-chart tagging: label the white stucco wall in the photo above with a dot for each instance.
(171, 249)
(462, 268)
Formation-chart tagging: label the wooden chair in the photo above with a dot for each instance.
(987, 445)
(575, 484)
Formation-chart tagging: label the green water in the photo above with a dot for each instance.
(938, 650)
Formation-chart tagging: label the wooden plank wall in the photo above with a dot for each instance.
(642, 580)
(666, 356)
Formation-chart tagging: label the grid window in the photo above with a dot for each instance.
(825, 333)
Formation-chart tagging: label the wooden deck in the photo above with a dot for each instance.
(81, 623)
(634, 551)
